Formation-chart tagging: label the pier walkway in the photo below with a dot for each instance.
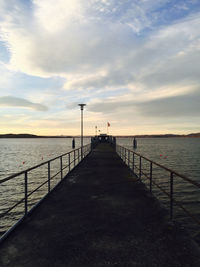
(101, 215)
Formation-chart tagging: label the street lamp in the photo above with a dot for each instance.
(82, 107)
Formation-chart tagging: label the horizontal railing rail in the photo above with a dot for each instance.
(129, 157)
(73, 158)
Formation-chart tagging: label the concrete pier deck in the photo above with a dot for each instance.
(101, 215)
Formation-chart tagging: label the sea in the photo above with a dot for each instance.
(179, 154)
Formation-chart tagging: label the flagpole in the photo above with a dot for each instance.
(108, 125)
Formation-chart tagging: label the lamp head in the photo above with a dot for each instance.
(82, 106)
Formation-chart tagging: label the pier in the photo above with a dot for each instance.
(100, 214)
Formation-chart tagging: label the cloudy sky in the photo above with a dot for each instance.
(135, 63)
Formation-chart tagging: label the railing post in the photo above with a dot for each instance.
(171, 194)
(74, 158)
(125, 155)
(140, 168)
(150, 177)
(78, 156)
(61, 168)
(128, 158)
(49, 177)
(133, 163)
(69, 163)
(25, 193)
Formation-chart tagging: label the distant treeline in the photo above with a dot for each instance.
(130, 136)
(30, 136)
(164, 135)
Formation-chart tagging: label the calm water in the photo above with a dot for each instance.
(179, 154)
(21, 153)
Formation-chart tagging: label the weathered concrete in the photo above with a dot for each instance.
(100, 216)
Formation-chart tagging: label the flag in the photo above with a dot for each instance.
(108, 124)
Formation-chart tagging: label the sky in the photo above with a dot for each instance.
(134, 63)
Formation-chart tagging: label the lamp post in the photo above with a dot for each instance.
(82, 107)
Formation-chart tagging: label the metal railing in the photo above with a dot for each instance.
(66, 162)
(136, 163)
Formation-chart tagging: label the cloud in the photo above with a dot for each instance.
(121, 57)
(68, 11)
(6, 75)
(76, 28)
(96, 37)
(9, 101)
(186, 105)
(168, 58)
(111, 106)
(178, 106)
(70, 44)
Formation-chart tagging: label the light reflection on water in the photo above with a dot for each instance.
(179, 154)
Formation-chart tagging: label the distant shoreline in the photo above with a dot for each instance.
(130, 136)
(31, 136)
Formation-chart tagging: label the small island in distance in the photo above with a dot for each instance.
(66, 136)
